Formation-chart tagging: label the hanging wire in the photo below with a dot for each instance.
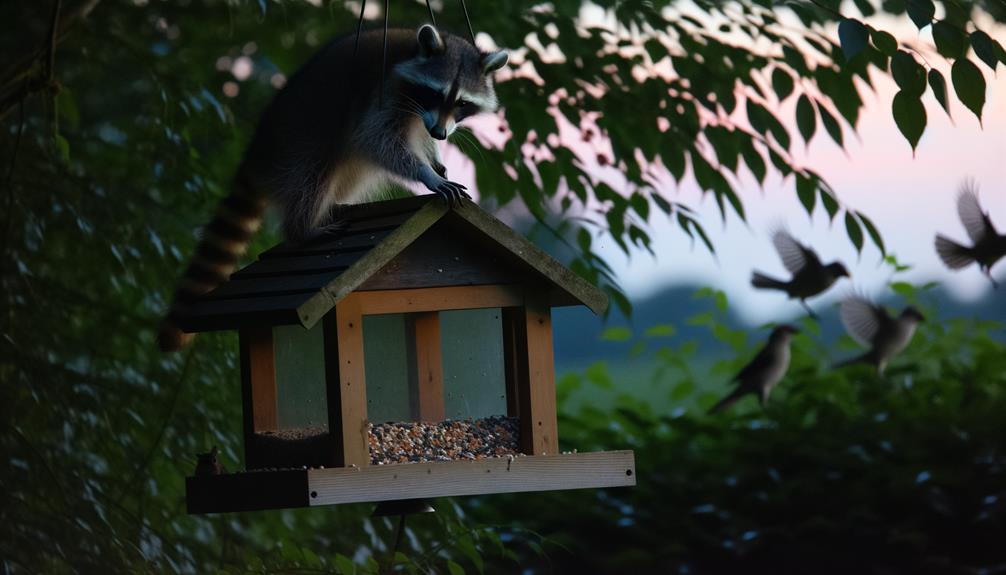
(384, 52)
(433, 19)
(359, 27)
(469, 20)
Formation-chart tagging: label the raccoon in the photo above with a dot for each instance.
(341, 127)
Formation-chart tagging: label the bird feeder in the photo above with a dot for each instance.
(408, 356)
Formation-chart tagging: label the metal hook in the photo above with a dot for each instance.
(359, 27)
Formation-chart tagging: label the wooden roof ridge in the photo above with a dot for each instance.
(585, 292)
(300, 283)
(432, 211)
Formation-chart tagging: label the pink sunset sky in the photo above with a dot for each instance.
(909, 198)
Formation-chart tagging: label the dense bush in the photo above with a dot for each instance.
(844, 472)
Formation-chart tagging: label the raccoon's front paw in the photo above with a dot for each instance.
(452, 192)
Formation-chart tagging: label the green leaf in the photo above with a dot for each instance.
(720, 299)
(682, 390)
(655, 49)
(908, 73)
(829, 202)
(910, 116)
(921, 12)
(454, 568)
(884, 42)
(660, 330)
(67, 106)
(939, 85)
(985, 48)
(597, 374)
(969, 85)
(873, 232)
(854, 232)
(617, 333)
(904, 289)
(755, 162)
(782, 83)
(806, 118)
(756, 116)
(853, 36)
(806, 190)
(950, 41)
(663, 204)
(640, 205)
(63, 146)
(831, 125)
(344, 565)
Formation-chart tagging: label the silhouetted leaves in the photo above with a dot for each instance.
(831, 125)
(854, 231)
(854, 37)
(908, 73)
(969, 85)
(950, 41)
(985, 48)
(910, 116)
(921, 12)
(884, 42)
(939, 86)
(782, 83)
(806, 117)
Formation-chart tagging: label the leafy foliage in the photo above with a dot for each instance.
(843, 472)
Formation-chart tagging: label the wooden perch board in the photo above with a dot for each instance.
(316, 487)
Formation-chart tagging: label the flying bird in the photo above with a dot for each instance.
(810, 276)
(871, 326)
(763, 372)
(988, 246)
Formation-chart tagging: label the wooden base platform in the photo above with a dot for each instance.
(259, 490)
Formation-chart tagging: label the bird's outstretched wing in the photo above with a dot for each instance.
(795, 256)
(976, 222)
(861, 318)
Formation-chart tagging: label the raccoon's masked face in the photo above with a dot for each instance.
(448, 81)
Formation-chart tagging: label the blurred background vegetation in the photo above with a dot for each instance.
(121, 125)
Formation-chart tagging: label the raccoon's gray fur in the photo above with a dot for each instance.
(331, 136)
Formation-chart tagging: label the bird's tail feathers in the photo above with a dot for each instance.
(762, 281)
(954, 255)
(223, 242)
(727, 401)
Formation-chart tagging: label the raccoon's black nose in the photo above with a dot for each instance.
(438, 132)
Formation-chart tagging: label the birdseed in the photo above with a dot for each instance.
(450, 440)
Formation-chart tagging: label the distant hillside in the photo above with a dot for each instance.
(578, 332)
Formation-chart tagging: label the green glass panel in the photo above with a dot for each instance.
(300, 377)
(472, 350)
(386, 364)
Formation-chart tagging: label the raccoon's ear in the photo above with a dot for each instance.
(429, 41)
(494, 61)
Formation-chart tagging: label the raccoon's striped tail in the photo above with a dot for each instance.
(224, 241)
(954, 255)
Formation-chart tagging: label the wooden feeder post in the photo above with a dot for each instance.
(258, 388)
(530, 373)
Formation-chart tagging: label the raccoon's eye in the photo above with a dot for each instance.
(463, 104)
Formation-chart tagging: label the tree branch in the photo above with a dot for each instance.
(23, 78)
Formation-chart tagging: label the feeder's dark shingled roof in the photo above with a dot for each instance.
(298, 284)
